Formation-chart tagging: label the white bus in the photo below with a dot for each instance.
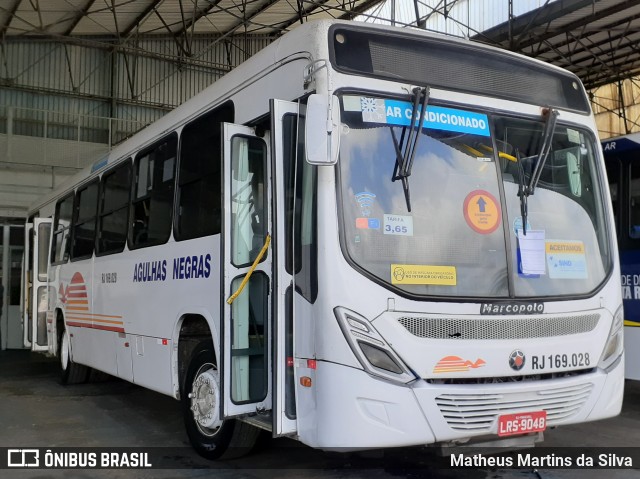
(362, 237)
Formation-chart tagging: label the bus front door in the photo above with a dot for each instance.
(37, 239)
(246, 319)
(287, 120)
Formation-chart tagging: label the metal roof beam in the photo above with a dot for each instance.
(500, 33)
(568, 27)
(302, 13)
(12, 12)
(197, 16)
(618, 61)
(239, 24)
(603, 80)
(610, 39)
(124, 48)
(359, 9)
(178, 43)
(80, 15)
(140, 18)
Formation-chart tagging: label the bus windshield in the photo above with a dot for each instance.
(466, 231)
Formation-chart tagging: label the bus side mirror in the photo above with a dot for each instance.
(322, 133)
(573, 170)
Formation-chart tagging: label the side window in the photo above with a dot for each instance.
(62, 230)
(199, 178)
(613, 175)
(113, 217)
(84, 221)
(44, 235)
(153, 194)
(248, 199)
(634, 200)
(300, 189)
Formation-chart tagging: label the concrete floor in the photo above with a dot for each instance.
(35, 411)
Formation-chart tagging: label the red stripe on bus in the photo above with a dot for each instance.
(96, 326)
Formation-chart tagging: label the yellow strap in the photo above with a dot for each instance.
(253, 267)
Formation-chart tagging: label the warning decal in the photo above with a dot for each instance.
(481, 211)
(423, 274)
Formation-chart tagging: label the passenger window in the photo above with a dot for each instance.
(62, 229)
(113, 218)
(199, 178)
(249, 349)
(84, 221)
(248, 199)
(153, 194)
(613, 175)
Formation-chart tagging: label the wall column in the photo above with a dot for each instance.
(5, 283)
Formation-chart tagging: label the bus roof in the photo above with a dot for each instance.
(621, 144)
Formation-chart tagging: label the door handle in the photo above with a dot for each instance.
(267, 241)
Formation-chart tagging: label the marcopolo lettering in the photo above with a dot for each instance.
(511, 308)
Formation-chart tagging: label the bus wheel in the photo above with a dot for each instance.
(70, 372)
(210, 435)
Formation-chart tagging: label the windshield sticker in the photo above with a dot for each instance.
(368, 223)
(566, 259)
(532, 251)
(398, 225)
(365, 201)
(481, 212)
(351, 103)
(573, 136)
(395, 112)
(423, 274)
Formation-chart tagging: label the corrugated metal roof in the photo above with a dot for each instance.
(122, 18)
(595, 39)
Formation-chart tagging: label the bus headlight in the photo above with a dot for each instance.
(373, 352)
(613, 348)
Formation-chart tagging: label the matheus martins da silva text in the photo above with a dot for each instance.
(547, 460)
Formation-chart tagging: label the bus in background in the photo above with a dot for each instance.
(362, 237)
(622, 161)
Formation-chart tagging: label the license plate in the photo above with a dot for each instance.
(522, 423)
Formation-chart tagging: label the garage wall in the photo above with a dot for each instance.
(64, 105)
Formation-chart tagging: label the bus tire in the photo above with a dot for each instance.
(210, 436)
(70, 372)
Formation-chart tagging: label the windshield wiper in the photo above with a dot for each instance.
(404, 159)
(547, 139)
(524, 190)
(523, 193)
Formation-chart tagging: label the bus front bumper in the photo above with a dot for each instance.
(348, 409)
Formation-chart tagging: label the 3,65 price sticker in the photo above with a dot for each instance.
(398, 225)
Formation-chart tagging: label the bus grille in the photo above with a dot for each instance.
(522, 328)
(479, 412)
